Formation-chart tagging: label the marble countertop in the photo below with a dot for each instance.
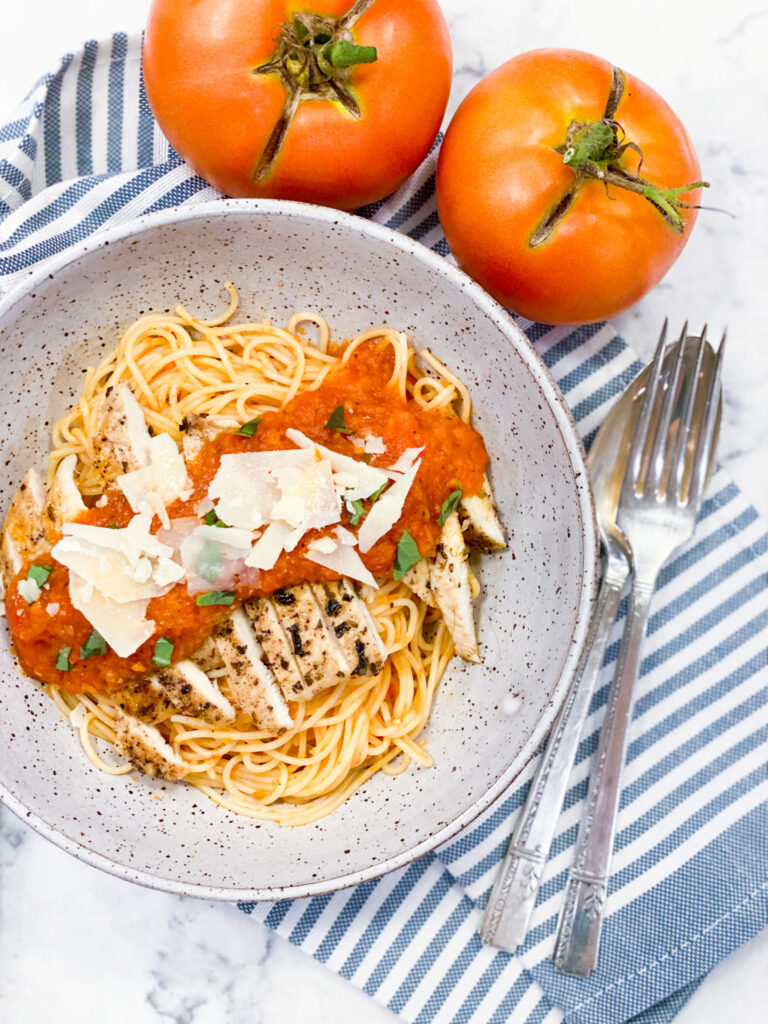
(76, 944)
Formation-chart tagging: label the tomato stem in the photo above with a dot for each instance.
(593, 150)
(315, 57)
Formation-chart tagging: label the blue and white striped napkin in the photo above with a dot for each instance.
(690, 869)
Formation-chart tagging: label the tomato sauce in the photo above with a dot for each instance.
(454, 456)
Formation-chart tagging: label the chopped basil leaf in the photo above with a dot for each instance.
(209, 561)
(163, 652)
(249, 429)
(211, 518)
(358, 514)
(449, 505)
(94, 646)
(377, 493)
(62, 659)
(39, 573)
(336, 421)
(215, 597)
(407, 555)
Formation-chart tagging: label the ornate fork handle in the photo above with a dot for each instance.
(581, 917)
(517, 884)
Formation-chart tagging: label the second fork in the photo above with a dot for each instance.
(659, 503)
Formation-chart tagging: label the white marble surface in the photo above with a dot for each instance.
(76, 944)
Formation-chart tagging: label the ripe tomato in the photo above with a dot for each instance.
(542, 193)
(324, 101)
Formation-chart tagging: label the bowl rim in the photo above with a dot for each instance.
(577, 457)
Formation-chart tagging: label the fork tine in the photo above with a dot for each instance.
(659, 450)
(709, 419)
(635, 458)
(677, 463)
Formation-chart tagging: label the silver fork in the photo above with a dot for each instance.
(658, 506)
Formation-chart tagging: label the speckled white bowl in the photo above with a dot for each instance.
(532, 616)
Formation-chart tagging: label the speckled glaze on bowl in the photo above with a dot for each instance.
(534, 608)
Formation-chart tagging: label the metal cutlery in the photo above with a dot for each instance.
(516, 888)
(671, 451)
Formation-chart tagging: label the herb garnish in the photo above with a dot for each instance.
(211, 518)
(336, 421)
(358, 514)
(449, 505)
(163, 652)
(215, 597)
(39, 573)
(377, 493)
(407, 555)
(94, 646)
(62, 659)
(249, 429)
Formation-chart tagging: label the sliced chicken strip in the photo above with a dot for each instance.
(121, 437)
(278, 650)
(193, 693)
(144, 699)
(480, 520)
(207, 656)
(65, 502)
(24, 528)
(146, 749)
(418, 580)
(317, 649)
(352, 623)
(450, 579)
(197, 429)
(252, 685)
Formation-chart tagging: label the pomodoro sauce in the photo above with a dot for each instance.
(454, 456)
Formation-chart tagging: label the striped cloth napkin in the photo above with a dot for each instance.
(690, 869)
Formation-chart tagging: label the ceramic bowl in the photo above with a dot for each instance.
(487, 720)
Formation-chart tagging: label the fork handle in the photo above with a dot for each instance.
(517, 883)
(581, 917)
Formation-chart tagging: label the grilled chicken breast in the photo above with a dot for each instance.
(449, 576)
(290, 646)
(146, 749)
(24, 533)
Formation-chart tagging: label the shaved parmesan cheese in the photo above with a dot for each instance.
(123, 625)
(77, 714)
(345, 561)
(245, 487)
(345, 536)
(29, 590)
(267, 549)
(211, 564)
(353, 479)
(406, 460)
(161, 482)
(323, 545)
(374, 445)
(125, 565)
(139, 438)
(177, 531)
(53, 608)
(228, 535)
(308, 500)
(387, 510)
